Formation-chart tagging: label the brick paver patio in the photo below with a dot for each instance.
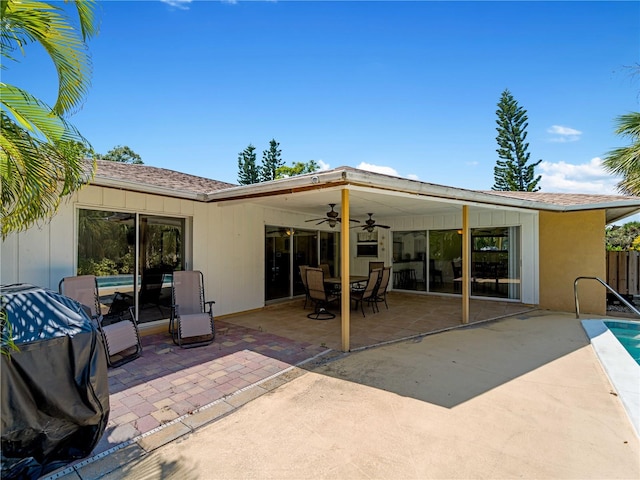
(168, 382)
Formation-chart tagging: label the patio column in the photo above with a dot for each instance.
(345, 287)
(466, 263)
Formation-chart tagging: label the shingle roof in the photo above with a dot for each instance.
(140, 177)
(158, 177)
(565, 199)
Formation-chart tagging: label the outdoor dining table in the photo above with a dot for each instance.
(353, 279)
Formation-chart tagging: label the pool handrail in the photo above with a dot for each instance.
(617, 295)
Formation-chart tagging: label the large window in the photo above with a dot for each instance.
(109, 243)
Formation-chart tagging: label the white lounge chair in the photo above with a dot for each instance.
(121, 338)
(191, 325)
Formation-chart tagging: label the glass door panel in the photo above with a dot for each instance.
(106, 249)
(330, 251)
(305, 252)
(495, 262)
(161, 253)
(409, 260)
(445, 261)
(277, 262)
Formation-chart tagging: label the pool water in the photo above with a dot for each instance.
(628, 334)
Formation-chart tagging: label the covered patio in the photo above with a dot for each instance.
(408, 315)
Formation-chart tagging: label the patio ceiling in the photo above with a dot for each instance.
(361, 202)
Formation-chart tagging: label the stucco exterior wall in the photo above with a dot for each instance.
(572, 245)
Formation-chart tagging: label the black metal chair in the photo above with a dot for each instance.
(381, 291)
(435, 273)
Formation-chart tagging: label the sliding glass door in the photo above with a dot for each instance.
(286, 249)
(161, 253)
(495, 261)
(132, 257)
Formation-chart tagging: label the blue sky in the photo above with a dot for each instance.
(406, 88)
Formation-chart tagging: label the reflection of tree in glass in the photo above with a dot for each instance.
(162, 246)
(106, 242)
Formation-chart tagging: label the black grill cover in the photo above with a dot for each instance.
(55, 391)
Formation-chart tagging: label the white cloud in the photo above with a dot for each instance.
(564, 134)
(322, 166)
(588, 177)
(385, 170)
(181, 4)
(378, 169)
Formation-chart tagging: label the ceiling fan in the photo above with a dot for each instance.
(370, 224)
(332, 217)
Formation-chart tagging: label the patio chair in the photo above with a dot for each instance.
(325, 269)
(319, 295)
(121, 337)
(435, 273)
(191, 323)
(381, 291)
(369, 293)
(151, 288)
(303, 277)
(375, 265)
(456, 266)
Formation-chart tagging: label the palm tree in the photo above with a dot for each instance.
(625, 161)
(41, 154)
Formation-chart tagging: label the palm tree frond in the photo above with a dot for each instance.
(35, 175)
(89, 24)
(46, 24)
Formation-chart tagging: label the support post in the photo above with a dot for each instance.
(345, 286)
(466, 263)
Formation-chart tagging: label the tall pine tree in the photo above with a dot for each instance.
(271, 161)
(247, 170)
(512, 172)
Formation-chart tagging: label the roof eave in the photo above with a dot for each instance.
(134, 186)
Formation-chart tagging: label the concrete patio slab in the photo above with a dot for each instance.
(523, 397)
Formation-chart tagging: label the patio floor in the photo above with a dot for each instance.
(408, 315)
(167, 383)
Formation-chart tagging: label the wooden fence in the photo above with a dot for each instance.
(623, 272)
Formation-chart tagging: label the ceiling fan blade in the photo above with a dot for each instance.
(382, 226)
(315, 219)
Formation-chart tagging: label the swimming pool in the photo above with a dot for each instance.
(628, 334)
(610, 340)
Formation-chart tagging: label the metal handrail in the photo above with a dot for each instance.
(620, 297)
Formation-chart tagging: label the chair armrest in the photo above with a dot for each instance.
(210, 304)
